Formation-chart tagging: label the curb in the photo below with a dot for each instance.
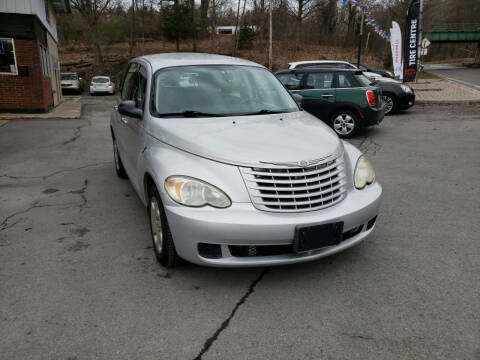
(447, 102)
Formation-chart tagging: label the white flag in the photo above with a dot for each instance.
(396, 44)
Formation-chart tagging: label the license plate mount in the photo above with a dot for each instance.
(314, 237)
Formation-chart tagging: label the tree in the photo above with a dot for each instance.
(177, 23)
(91, 11)
(132, 28)
(303, 8)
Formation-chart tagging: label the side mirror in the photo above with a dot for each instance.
(299, 100)
(128, 108)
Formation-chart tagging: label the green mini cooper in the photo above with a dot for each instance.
(345, 99)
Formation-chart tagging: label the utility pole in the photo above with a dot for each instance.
(360, 39)
(270, 37)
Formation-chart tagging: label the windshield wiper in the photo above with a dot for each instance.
(189, 113)
(265, 111)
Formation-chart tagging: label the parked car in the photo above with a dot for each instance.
(396, 96)
(71, 82)
(343, 98)
(101, 84)
(330, 64)
(383, 73)
(231, 170)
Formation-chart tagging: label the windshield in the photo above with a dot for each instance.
(100, 80)
(364, 81)
(219, 90)
(68, 76)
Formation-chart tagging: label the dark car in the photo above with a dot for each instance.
(343, 98)
(396, 95)
(381, 72)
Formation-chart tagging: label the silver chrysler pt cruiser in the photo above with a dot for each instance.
(231, 169)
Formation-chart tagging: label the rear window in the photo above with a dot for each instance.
(68, 76)
(101, 80)
(363, 80)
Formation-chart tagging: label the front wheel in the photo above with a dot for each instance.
(390, 104)
(345, 123)
(162, 239)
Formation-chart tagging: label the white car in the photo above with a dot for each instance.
(71, 82)
(332, 64)
(101, 84)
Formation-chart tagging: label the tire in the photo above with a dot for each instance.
(118, 162)
(345, 123)
(162, 239)
(390, 104)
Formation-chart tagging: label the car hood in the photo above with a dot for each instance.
(251, 140)
(389, 80)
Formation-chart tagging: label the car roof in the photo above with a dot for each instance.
(296, 63)
(314, 69)
(100, 76)
(160, 61)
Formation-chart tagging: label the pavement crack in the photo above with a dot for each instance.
(77, 132)
(369, 147)
(209, 342)
(81, 192)
(6, 224)
(43, 177)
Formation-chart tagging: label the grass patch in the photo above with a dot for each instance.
(426, 75)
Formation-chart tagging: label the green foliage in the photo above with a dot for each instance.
(177, 22)
(246, 37)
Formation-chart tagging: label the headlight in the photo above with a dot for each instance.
(406, 88)
(364, 173)
(193, 192)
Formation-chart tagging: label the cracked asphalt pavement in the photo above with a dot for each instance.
(79, 280)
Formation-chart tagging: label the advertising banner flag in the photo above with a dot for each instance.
(412, 38)
(396, 44)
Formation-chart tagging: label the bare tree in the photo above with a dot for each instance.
(91, 11)
(302, 9)
(132, 28)
(235, 37)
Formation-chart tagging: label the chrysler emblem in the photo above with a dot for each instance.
(303, 163)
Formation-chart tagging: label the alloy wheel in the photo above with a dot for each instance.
(388, 103)
(156, 224)
(344, 124)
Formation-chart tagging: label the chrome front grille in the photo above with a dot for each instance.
(294, 189)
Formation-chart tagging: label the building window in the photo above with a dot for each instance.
(45, 60)
(8, 61)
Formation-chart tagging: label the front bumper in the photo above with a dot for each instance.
(243, 225)
(406, 101)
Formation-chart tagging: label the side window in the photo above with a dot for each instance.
(320, 80)
(344, 81)
(291, 81)
(130, 82)
(139, 94)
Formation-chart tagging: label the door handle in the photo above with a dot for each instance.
(124, 120)
(327, 95)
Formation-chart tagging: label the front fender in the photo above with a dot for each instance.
(161, 161)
